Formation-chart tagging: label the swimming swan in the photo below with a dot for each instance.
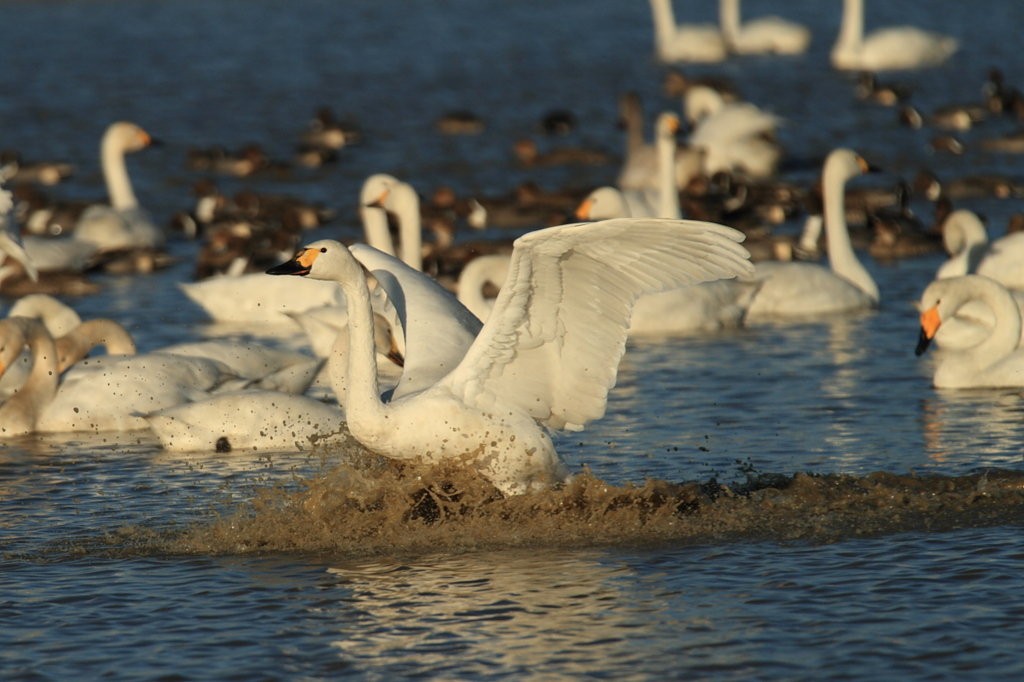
(547, 355)
(762, 35)
(808, 289)
(994, 362)
(105, 394)
(897, 47)
(685, 42)
(123, 224)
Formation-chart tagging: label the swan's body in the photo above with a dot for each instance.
(245, 421)
(809, 289)
(546, 357)
(258, 299)
(260, 366)
(685, 42)
(994, 362)
(898, 47)
(762, 35)
(124, 224)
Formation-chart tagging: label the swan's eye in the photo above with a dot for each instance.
(323, 249)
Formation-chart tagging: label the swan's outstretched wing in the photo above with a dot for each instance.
(554, 339)
(438, 329)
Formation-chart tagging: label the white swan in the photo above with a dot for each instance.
(104, 394)
(791, 289)
(684, 42)
(546, 357)
(994, 362)
(640, 170)
(898, 47)
(246, 421)
(123, 224)
(733, 136)
(260, 366)
(966, 239)
(697, 308)
(762, 35)
(386, 192)
(256, 298)
(439, 332)
(663, 200)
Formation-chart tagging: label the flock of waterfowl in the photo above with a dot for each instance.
(533, 340)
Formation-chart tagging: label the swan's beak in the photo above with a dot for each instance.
(866, 167)
(930, 322)
(300, 265)
(583, 210)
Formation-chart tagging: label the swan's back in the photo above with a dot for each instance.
(803, 289)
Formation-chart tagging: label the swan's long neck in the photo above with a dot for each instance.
(729, 19)
(851, 30)
(375, 229)
(668, 195)
(965, 238)
(363, 409)
(411, 225)
(841, 256)
(1005, 334)
(19, 414)
(664, 22)
(76, 344)
(115, 173)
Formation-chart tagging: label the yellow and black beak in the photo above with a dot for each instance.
(299, 265)
(930, 323)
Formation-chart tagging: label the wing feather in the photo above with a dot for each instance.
(552, 344)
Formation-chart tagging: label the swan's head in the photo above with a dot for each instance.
(602, 204)
(667, 125)
(846, 163)
(325, 259)
(128, 137)
(943, 298)
(376, 189)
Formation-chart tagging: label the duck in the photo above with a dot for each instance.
(764, 35)
(123, 224)
(14, 170)
(958, 117)
(326, 132)
(898, 47)
(529, 368)
(793, 289)
(675, 84)
(527, 153)
(101, 394)
(459, 122)
(996, 361)
(685, 42)
(981, 186)
(869, 88)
